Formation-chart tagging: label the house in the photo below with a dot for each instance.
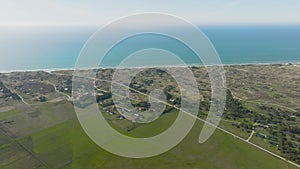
(260, 135)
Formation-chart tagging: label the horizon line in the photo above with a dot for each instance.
(25, 24)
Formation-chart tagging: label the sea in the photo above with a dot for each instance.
(58, 47)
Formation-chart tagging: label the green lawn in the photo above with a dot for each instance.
(67, 146)
(264, 144)
(237, 131)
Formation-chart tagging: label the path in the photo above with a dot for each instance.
(249, 138)
(59, 92)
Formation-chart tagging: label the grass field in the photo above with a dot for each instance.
(67, 146)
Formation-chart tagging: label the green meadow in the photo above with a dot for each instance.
(66, 145)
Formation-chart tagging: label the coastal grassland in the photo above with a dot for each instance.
(276, 84)
(261, 97)
(31, 87)
(253, 87)
(67, 146)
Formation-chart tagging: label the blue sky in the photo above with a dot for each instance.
(197, 11)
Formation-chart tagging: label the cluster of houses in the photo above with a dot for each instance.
(134, 114)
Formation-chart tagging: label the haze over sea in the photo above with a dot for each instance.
(41, 47)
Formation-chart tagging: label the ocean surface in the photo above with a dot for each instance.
(42, 47)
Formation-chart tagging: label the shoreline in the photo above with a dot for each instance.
(50, 70)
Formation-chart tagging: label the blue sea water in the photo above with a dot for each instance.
(23, 48)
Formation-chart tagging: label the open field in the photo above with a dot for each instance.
(221, 151)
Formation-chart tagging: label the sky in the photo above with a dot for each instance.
(21, 35)
(30, 12)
